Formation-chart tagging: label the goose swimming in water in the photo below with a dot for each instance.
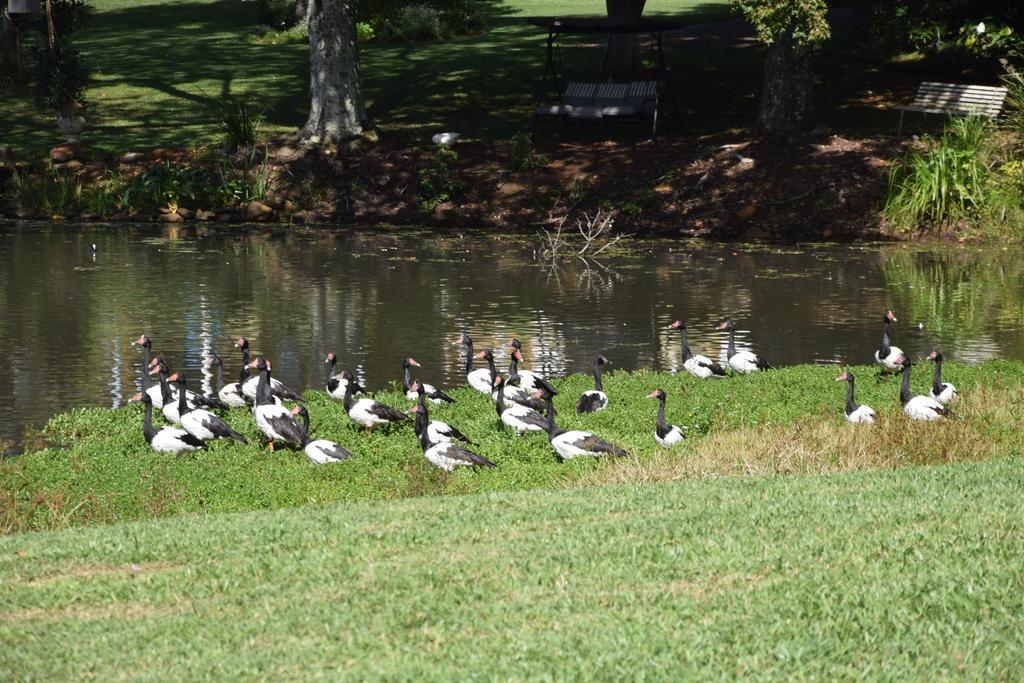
(320, 451)
(697, 365)
(855, 412)
(887, 356)
(595, 399)
(743, 362)
(943, 392)
(665, 435)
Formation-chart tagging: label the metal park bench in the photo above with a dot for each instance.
(955, 98)
(606, 101)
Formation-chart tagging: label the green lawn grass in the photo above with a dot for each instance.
(784, 421)
(911, 574)
(158, 62)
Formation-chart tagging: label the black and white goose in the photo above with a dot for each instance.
(169, 393)
(943, 392)
(743, 362)
(513, 393)
(855, 412)
(320, 451)
(199, 422)
(697, 365)
(366, 411)
(918, 407)
(595, 399)
(336, 384)
(230, 394)
(665, 434)
(481, 379)
(518, 417)
(575, 443)
(446, 455)
(156, 396)
(274, 420)
(887, 356)
(277, 388)
(433, 393)
(527, 378)
(165, 439)
(437, 431)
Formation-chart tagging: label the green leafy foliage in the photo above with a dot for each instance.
(521, 154)
(804, 20)
(950, 181)
(101, 470)
(239, 120)
(438, 183)
(884, 575)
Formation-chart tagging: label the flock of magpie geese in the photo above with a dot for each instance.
(524, 401)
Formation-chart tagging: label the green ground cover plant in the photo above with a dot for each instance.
(907, 574)
(787, 421)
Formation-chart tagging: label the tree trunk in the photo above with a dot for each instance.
(787, 105)
(336, 109)
(301, 8)
(622, 51)
(12, 56)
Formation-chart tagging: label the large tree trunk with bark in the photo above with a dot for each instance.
(622, 51)
(336, 109)
(787, 103)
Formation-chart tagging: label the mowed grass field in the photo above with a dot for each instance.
(909, 574)
(158, 63)
(787, 421)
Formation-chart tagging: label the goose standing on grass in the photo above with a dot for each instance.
(366, 411)
(918, 407)
(433, 393)
(697, 365)
(199, 422)
(273, 419)
(855, 412)
(527, 378)
(156, 395)
(595, 399)
(665, 434)
(230, 394)
(480, 379)
(168, 398)
(437, 431)
(575, 443)
(513, 393)
(277, 388)
(519, 418)
(336, 384)
(944, 393)
(320, 451)
(742, 362)
(165, 439)
(887, 356)
(446, 455)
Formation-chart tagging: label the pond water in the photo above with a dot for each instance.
(68, 314)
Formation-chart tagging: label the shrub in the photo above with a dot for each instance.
(52, 192)
(364, 31)
(436, 182)
(239, 120)
(416, 22)
(1013, 106)
(947, 182)
(521, 155)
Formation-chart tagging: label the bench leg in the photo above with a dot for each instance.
(654, 124)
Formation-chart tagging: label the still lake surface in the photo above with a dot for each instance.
(68, 314)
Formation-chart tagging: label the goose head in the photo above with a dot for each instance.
(242, 343)
(331, 359)
(517, 345)
(143, 341)
(410, 363)
(847, 376)
(728, 325)
(889, 317)
(677, 325)
(935, 356)
(657, 393)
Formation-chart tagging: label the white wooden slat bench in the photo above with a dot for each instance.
(606, 101)
(955, 98)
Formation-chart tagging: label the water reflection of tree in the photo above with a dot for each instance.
(973, 296)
